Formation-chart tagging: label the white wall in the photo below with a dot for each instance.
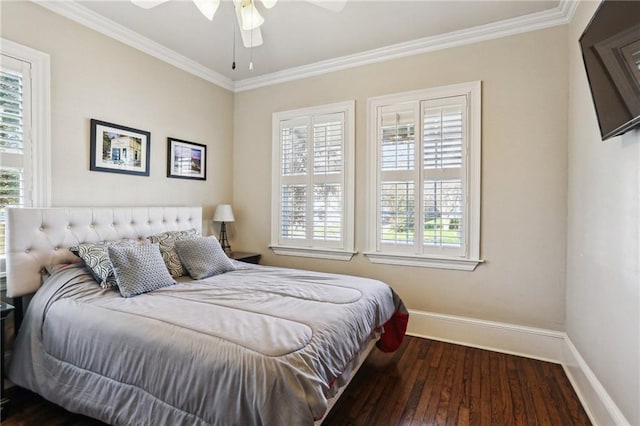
(603, 278)
(524, 119)
(93, 76)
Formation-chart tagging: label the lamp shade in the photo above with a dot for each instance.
(224, 213)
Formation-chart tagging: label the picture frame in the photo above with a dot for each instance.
(186, 160)
(119, 149)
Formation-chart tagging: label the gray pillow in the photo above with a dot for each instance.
(139, 269)
(96, 259)
(167, 241)
(203, 257)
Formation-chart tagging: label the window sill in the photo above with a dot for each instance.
(317, 253)
(425, 262)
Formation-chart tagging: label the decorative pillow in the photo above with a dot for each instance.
(96, 258)
(167, 241)
(203, 257)
(139, 269)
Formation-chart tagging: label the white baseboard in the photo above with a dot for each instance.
(595, 399)
(530, 342)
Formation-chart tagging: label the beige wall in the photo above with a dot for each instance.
(526, 107)
(524, 84)
(603, 258)
(533, 239)
(93, 76)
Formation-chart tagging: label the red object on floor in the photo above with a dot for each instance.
(394, 329)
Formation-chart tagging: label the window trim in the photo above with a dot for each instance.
(40, 117)
(40, 122)
(324, 252)
(471, 259)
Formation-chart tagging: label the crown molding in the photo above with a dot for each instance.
(94, 21)
(568, 8)
(559, 15)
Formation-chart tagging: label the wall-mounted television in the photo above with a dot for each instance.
(611, 52)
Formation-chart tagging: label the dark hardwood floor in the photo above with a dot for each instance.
(425, 382)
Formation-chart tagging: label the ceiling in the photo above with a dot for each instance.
(301, 37)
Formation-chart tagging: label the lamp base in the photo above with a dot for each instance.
(224, 243)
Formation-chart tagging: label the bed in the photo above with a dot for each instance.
(255, 345)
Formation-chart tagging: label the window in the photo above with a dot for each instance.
(425, 177)
(24, 131)
(313, 182)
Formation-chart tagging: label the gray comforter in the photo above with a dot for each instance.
(257, 346)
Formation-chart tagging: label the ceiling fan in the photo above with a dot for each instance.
(249, 19)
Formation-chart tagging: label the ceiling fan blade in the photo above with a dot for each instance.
(148, 4)
(332, 5)
(250, 38)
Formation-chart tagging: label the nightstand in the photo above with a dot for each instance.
(245, 257)
(5, 310)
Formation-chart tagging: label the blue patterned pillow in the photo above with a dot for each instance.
(139, 269)
(167, 241)
(203, 257)
(96, 259)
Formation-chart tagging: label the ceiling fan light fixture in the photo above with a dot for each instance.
(207, 7)
(269, 3)
(251, 38)
(332, 5)
(251, 18)
(147, 4)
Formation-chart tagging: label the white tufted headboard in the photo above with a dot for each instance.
(37, 237)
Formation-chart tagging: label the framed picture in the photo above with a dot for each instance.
(186, 160)
(119, 149)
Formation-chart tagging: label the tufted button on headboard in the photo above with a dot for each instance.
(37, 237)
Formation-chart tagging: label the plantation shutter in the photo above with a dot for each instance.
(312, 180)
(443, 192)
(425, 177)
(398, 176)
(328, 172)
(15, 146)
(421, 167)
(294, 136)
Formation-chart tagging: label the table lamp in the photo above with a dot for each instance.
(223, 214)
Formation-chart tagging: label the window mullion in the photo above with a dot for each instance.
(326, 179)
(280, 182)
(464, 178)
(378, 180)
(310, 180)
(419, 154)
(397, 175)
